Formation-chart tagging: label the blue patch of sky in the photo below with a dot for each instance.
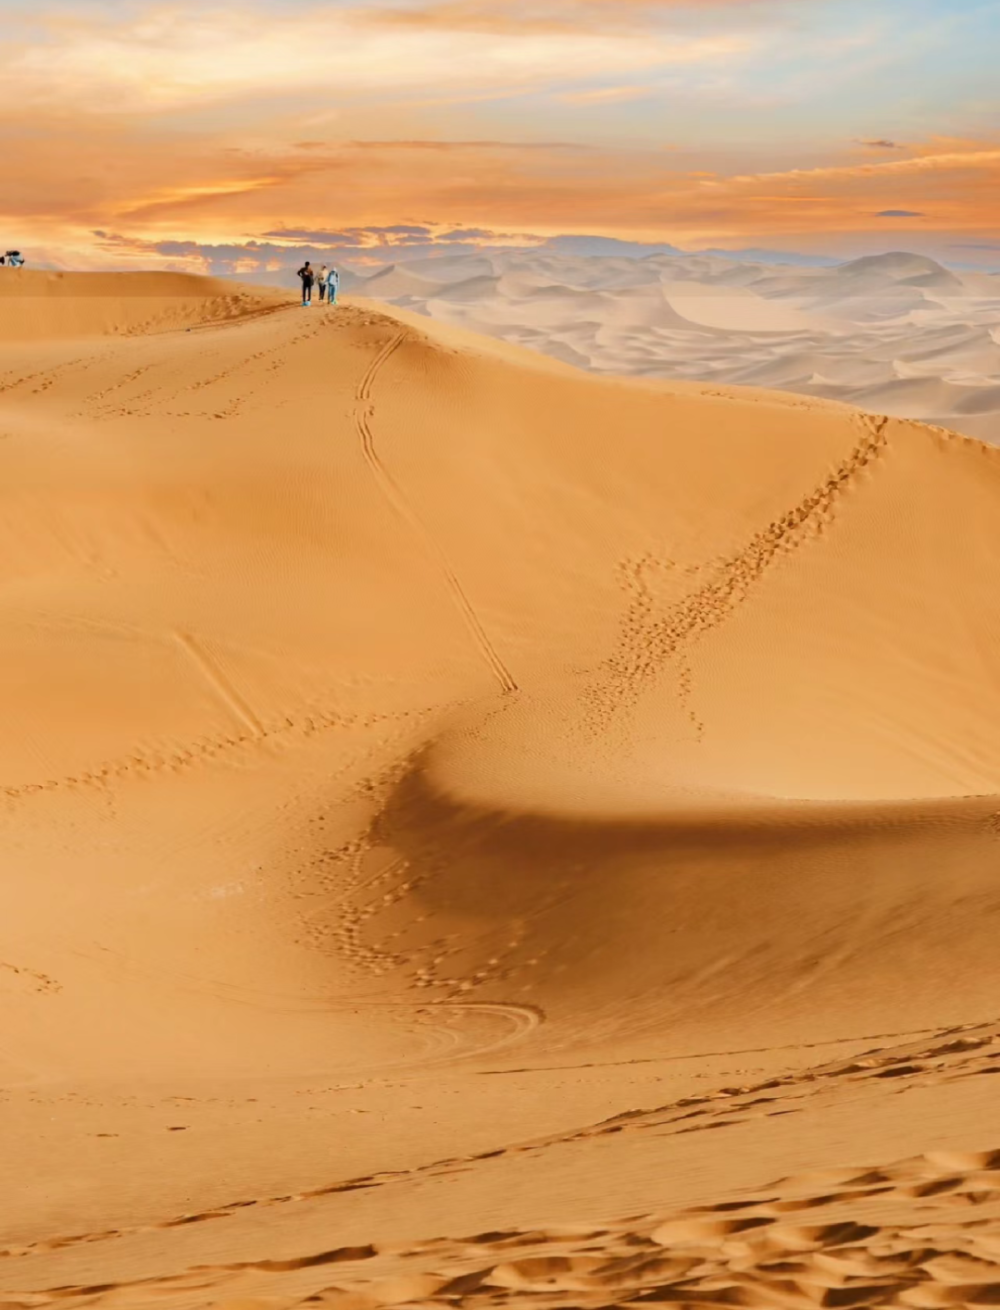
(822, 74)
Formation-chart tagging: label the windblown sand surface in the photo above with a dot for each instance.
(482, 834)
(45, 306)
(895, 333)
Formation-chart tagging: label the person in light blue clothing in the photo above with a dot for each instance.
(14, 258)
(332, 285)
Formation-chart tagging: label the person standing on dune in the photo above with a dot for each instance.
(308, 278)
(332, 285)
(322, 283)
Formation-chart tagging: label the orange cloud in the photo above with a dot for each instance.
(930, 162)
(500, 16)
(115, 183)
(181, 58)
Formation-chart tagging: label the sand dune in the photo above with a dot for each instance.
(861, 325)
(52, 306)
(473, 825)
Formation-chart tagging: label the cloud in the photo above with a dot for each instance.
(177, 199)
(398, 236)
(606, 95)
(271, 260)
(164, 57)
(881, 145)
(394, 197)
(511, 147)
(498, 17)
(933, 160)
(363, 250)
(484, 234)
(351, 235)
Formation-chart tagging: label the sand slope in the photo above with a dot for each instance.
(895, 333)
(38, 306)
(441, 789)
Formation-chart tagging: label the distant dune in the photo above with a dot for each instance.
(849, 333)
(481, 833)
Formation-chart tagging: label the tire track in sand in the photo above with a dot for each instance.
(220, 682)
(397, 498)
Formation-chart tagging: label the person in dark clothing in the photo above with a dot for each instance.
(307, 277)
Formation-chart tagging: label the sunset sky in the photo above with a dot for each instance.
(231, 136)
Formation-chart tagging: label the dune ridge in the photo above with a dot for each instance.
(448, 793)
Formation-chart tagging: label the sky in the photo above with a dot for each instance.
(223, 137)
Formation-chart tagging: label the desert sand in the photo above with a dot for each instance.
(896, 333)
(483, 833)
